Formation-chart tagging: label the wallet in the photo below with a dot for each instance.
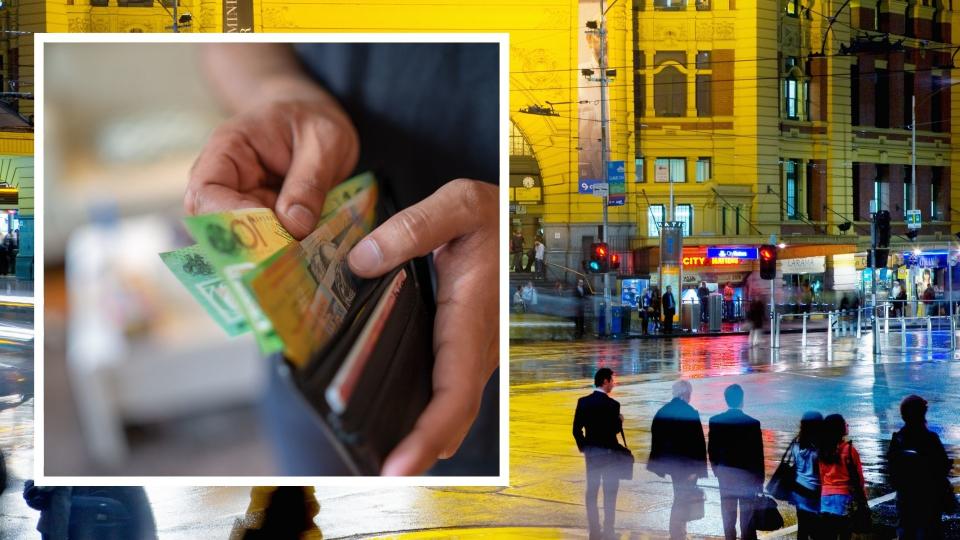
(361, 394)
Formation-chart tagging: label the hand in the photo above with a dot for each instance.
(283, 155)
(460, 224)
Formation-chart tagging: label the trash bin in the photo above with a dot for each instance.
(690, 316)
(716, 312)
(615, 320)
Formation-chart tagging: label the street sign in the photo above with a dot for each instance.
(600, 189)
(662, 173)
(586, 185)
(616, 200)
(732, 253)
(913, 219)
(616, 172)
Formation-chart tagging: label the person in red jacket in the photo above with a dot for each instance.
(841, 480)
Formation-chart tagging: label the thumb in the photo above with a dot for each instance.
(450, 212)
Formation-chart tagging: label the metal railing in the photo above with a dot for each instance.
(851, 322)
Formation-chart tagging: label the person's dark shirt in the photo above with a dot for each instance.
(596, 422)
(735, 442)
(919, 467)
(703, 294)
(677, 446)
(668, 302)
(426, 113)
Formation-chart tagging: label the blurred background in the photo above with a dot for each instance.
(138, 379)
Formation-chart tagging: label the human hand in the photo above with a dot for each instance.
(459, 223)
(283, 155)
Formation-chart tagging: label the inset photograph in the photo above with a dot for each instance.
(272, 259)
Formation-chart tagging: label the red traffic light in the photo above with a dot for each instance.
(601, 250)
(767, 253)
(614, 261)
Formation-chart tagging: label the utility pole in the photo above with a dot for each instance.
(874, 273)
(608, 311)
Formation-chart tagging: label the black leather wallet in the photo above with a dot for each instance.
(361, 394)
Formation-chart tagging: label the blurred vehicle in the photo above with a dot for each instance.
(16, 382)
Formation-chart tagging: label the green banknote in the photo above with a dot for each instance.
(198, 275)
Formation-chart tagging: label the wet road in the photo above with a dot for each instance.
(16, 439)
(547, 477)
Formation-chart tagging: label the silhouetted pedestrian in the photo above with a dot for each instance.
(841, 479)
(736, 454)
(806, 491)
(678, 448)
(703, 295)
(91, 513)
(669, 305)
(919, 470)
(580, 294)
(756, 315)
(596, 424)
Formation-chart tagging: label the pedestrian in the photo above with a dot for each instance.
(595, 426)
(703, 294)
(518, 305)
(728, 293)
(516, 249)
(929, 296)
(530, 297)
(669, 305)
(538, 254)
(656, 305)
(645, 307)
(121, 513)
(756, 315)
(580, 297)
(842, 489)
(806, 489)
(896, 305)
(735, 449)
(678, 449)
(919, 472)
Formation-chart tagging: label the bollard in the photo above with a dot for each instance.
(776, 331)
(886, 319)
(803, 339)
(929, 333)
(829, 330)
(953, 333)
(903, 332)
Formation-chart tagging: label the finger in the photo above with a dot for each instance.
(216, 198)
(314, 168)
(452, 211)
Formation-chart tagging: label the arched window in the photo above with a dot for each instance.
(670, 92)
(518, 142)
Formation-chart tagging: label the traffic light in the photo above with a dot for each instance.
(768, 261)
(614, 261)
(882, 219)
(599, 258)
(880, 257)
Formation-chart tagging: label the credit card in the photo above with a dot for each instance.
(341, 388)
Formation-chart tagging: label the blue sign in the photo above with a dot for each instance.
(926, 260)
(749, 253)
(616, 200)
(586, 185)
(616, 172)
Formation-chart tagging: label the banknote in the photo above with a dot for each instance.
(307, 288)
(200, 277)
(235, 242)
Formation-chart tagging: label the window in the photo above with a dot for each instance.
(703, 5)
(882, 99)
(703, 95)
(936, 105)
(855, 95)
(671, 170)
(703, 169)
(654, 219)
(684, 214)
(791, 98)
(670, 92)
(937, 212)
(638, 170)
(669, 4)
(703, 59)
(881, 188)
(791, 195)
(793, 8)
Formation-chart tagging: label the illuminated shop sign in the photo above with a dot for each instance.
(703, 261)
(749, 253)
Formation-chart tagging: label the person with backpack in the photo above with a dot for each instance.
(842, 493)
(806, 489)
(919, 471)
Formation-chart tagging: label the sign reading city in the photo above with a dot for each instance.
(913, 219)
(748, 253)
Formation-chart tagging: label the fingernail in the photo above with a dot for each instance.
(302, 216)
(366, 256)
